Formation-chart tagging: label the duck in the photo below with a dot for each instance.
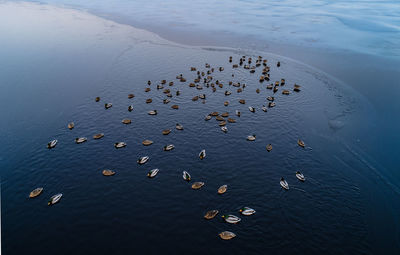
(300, 176)
(226, 103)
(219, 118)
(211, 214)
(197, 185)
(166, 131)
(131, 96)
(152, 173)
(147, 142)
(195, 98)
(169, 147)
(231, 218)
(97, 99)
(252, 109)
(257, 91)
(284, 184)
(227, 235)
(222, 189)
(119, 145)
(52, 144)
(152, 112)
(147, 89)
(142, 160)
(36, 192)
(301, 143)
(107, 172)
(231, 120)
(171, 83)
(193, 69)
(225, 114)
(98, 136)
(214, 114)
(224, 129)
(163, 82)
(130, 108)
(227, 93)
(247, 211)
(269, 147)
(222, 123)
(296, 88)
(202, 154)
(54, 199)
(237, 113)
(149, 83)
(221, 69)
(271, 99)
(149, 100)
(264, 108)
(285, 92)
(271, 104)
(242, 101)
(80, 140)
(282, 82)
(126, 121)
(269, 86)
(208, 117)
(178, 126)
(251, 138)
(278, 64)
(108, 105)
(166, 101)
(186, 176)
(202, 96)
(71, 125)
(175, 106)
(160, 86)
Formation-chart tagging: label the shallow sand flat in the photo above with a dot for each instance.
(59, 60)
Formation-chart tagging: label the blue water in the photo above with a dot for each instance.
(55, 61)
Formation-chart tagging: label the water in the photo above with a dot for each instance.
(347, 205)
(365, 26)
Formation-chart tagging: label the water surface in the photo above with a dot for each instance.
(54, 66)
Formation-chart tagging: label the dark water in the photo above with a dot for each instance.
(52, 68)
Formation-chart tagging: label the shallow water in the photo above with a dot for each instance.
(347, 204)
